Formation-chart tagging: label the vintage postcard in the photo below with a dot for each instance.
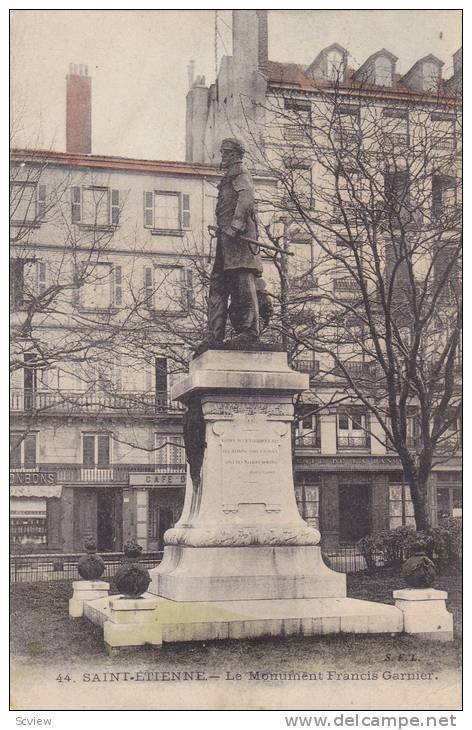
(236, 361)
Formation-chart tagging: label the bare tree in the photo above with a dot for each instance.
(371, 187)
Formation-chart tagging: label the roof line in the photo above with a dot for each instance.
(119, 163)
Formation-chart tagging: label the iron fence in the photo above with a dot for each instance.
(35, 568)
(348, 559)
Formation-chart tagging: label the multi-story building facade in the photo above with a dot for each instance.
(307, 125)
(109, 259)
(96, 440)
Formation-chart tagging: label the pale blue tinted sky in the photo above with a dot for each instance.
(138, 61)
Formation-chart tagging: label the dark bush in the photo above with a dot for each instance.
(442, 544)
(446, 544)
(369, 547)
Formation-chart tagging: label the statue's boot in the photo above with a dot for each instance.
(209, 343)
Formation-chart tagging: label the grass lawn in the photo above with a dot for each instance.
(43, 633)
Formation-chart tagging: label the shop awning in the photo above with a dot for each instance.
(35, 490)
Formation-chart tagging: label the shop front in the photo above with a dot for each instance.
(354, 496)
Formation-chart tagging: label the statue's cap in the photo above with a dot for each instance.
(231, 143)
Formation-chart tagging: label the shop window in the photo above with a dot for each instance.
(28, 521)
(449, 502)
(308, 503)
(161, 517)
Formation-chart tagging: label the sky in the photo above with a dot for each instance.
(138, 62)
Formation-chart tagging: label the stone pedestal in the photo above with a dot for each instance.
(85, 590)
(132, 622)
(240, 536)
(425, 613)
(241, 562)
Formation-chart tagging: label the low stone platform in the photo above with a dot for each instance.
(195, 621)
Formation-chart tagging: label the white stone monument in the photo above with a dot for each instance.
(240, 552)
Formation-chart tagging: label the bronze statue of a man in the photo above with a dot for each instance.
(236, 265)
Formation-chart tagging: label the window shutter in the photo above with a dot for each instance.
(41, 277)
(190, 294)
(115, 207)
(185, 211)
(161, 450)
(29, 446)
(118, 271)
(41, 202)
(161, 376)
(15, 450)
(75, 205)
(149, 210)
(177, 452)
(88, 447)
(103, 450)
(148, 287)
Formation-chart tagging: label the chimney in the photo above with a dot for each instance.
(191, 73)
(79, 110)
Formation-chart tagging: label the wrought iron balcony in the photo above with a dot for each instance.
(309, 440)
(69, 402)
(353, 442)
(306, 365)
(112, 473)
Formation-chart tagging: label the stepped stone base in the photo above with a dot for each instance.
(253, 573)
(173, 621)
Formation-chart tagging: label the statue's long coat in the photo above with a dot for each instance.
(235, 207)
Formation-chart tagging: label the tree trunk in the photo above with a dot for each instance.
(419, 495)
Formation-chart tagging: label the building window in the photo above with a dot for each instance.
(335, 65)
(27, 203)
(166, 212)
(449, 502)
(307, 431)
(297, 184)
(169, 452)
(95, 206)
(443, 189)
(97, 287)
(395, 127)
(352, 429)
(167, 289)
(28, 281)
(347, 125)
(96, 450)
(397, 197)
(28, 521)
(400, 506)
(308, 503)
(23, 450)
(161, 517)
(442, 131)
(383, 71)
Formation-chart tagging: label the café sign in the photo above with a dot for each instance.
(158, 480)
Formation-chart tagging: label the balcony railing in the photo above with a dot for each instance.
(310, 366)
(309, 440)
(114, 473)
(353, 442)
(346, 284)
(67, 401)
(295, 133)
(358, 369)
